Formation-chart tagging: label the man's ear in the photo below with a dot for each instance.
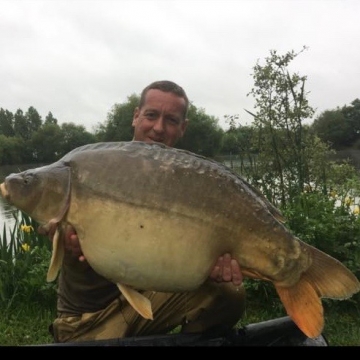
(184, 126)
(135, 116)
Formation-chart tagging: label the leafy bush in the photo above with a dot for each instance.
(331, 224)
(24, 260)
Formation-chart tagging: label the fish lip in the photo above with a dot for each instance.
(4, 193)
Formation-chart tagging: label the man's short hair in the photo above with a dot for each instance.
(166, 86)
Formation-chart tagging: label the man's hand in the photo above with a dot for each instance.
(72, 244)
(227, 269)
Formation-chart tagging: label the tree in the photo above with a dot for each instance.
(230, 141)
(6, 123)
(340, 127)
(46, 143)
(352, 116)
(332, 128)
(21, 125)
(10, 150)
(33, 119)
(73, 136)
(203, 134)
(118, 126)
(281, 107)
(50, 119)
(293, 168)
(238, 143)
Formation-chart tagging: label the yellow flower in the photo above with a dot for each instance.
(356, 210)
(349, 201)
(25, 247)
(27, 228)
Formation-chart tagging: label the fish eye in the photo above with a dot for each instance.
(27, 179)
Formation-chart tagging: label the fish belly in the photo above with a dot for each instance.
(149, 249)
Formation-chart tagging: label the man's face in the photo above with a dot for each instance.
(160, 119)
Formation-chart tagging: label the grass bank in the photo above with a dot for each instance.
(27, 324)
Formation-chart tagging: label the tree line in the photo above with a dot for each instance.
(27, 138)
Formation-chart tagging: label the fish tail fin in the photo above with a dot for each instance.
(56, 256)
(325, 278)
(304, 306)
(331, 278)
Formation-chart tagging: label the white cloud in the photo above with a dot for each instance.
(77, 58)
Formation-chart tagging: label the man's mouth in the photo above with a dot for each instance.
(156, 140)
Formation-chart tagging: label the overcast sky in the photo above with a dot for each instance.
(77, 58)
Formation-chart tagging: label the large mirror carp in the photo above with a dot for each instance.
(149, 217)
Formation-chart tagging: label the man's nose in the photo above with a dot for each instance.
(159, 125)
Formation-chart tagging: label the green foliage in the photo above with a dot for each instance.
(327, 223)
(11, 150)
(6, 123)
(21, 125)
(50, 119)
(34, 120)
(24, 261)
(328, 217)
(339, 127)
(332, 128)
(73, 136)
(330, 222)
(46, 143)
(293, 170)
(25, 139)
(203, 134)
(118, 126)
(281, 104)
(26, 323)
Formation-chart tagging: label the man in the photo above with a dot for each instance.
(92, 308)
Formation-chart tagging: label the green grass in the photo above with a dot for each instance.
(27, 324)
(342, 329)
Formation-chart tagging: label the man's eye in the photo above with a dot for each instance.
(150, 115)
(173, 121)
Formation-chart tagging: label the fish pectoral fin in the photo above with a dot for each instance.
(303, 305)
(56, 256)
(138, 301)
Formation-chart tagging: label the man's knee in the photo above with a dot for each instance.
(222, 307)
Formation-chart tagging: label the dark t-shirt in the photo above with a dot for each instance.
(81, 289)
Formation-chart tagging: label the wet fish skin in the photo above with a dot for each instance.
(157, 218)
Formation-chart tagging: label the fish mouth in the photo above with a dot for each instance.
(4, 193)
